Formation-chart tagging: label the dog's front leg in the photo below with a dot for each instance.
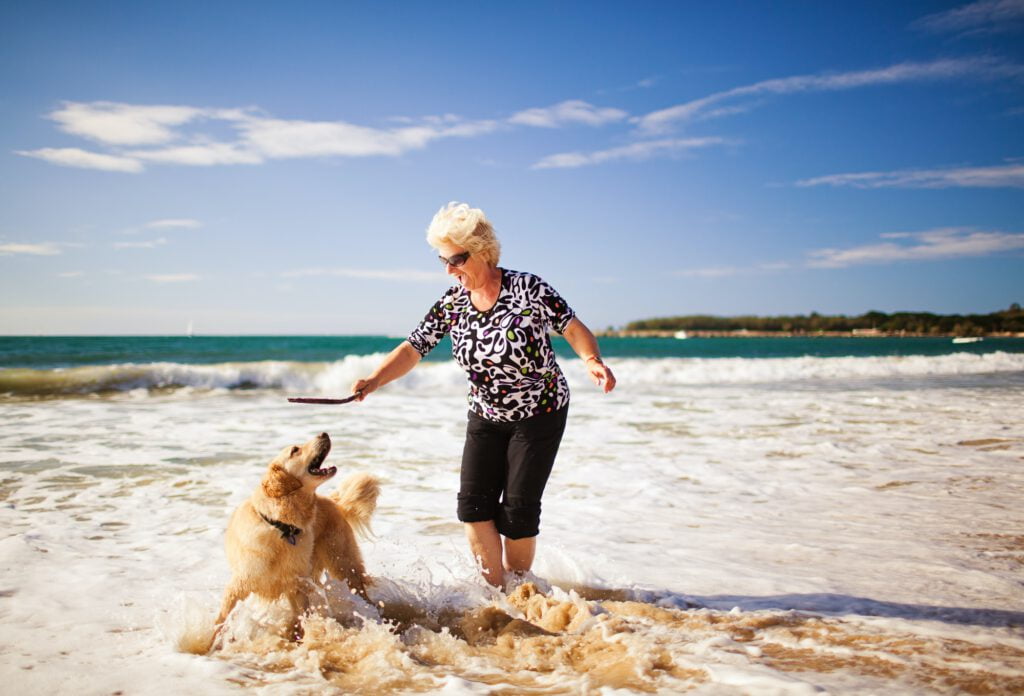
(300, 604)
(233, 594)
(339, 556)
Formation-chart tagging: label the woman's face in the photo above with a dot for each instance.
(473, 274)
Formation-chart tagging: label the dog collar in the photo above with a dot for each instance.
(288, 531)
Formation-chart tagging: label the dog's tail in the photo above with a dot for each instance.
(356, 497)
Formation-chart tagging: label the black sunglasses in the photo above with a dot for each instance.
(456, 260)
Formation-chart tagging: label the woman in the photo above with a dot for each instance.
(518, 397)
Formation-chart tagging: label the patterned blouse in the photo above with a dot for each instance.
(506, 350)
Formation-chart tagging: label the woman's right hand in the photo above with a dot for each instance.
(398, 362)
(364, 387)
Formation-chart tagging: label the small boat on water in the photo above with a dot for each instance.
(967, 339)
(680, 334)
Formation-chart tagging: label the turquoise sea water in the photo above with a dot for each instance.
(57, 367)
(74, 351)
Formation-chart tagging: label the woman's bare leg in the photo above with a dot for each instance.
(485, 545)
(519, 554)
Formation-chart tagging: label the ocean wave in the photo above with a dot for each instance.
(336, 378)
(702, 371)
(162, 376)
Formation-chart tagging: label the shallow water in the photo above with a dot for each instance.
(743, 526)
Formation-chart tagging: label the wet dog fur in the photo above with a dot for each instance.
(285, 535)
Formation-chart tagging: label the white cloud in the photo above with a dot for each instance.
(729, 271)
(172, 278)
(44, 249)
(367, 274)
(469, 129)
(74, 157)
(149, 244)
(661, 120)
(257, 137)
(636, 151)
(168, 223)
(71, 274)
(999, 176)
(982, 17)
(284, 139)
(123, 124)
(199, 155)
(930, 245)
(278, 138)
(571, 111)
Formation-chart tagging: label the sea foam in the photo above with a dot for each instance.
(322, 378)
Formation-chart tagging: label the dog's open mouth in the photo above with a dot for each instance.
(314, 467)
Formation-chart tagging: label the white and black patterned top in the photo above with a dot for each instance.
(506, 350)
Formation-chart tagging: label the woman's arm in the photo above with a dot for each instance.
(585, 344)
(397, 363)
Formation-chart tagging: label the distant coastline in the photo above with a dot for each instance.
(1007, 323)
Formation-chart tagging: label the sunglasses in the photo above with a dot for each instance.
(456, 260)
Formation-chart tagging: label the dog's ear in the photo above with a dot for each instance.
(279, 483)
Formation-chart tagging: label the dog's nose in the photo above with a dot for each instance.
(324, 436)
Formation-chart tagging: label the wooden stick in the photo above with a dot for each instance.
(304, 400)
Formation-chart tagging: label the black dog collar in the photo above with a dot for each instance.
(288, 531)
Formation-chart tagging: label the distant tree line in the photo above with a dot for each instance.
(924, 323)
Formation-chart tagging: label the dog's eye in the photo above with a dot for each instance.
(295, 450)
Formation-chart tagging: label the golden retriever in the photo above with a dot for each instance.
(285, 534)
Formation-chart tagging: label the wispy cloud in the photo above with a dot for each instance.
(123, 124)
(939, 244)
(398, 274)
(172, 278)
(661, 120)
(636, 151)
(982, 17)
(730, 271)
(82, 159)
(568, 112)
(998, 176)
(43, 249)
(172, 223)
(645, 83)
(287, 139)
(931, 245)
(205, 154)
(148, 244)
(137, 135)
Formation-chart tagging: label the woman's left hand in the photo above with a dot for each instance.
(601, 374)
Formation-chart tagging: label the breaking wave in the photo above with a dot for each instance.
(335, 378)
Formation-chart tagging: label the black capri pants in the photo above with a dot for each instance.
(505, 467)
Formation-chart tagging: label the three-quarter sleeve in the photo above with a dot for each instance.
(557, 311)
(425, 337)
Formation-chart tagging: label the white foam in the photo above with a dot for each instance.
(698, 371)
(446, 377)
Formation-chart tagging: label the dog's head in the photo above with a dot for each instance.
(299, 466)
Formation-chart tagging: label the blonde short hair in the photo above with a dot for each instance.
(460, 225)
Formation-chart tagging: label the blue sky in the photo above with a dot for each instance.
(272, 167)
